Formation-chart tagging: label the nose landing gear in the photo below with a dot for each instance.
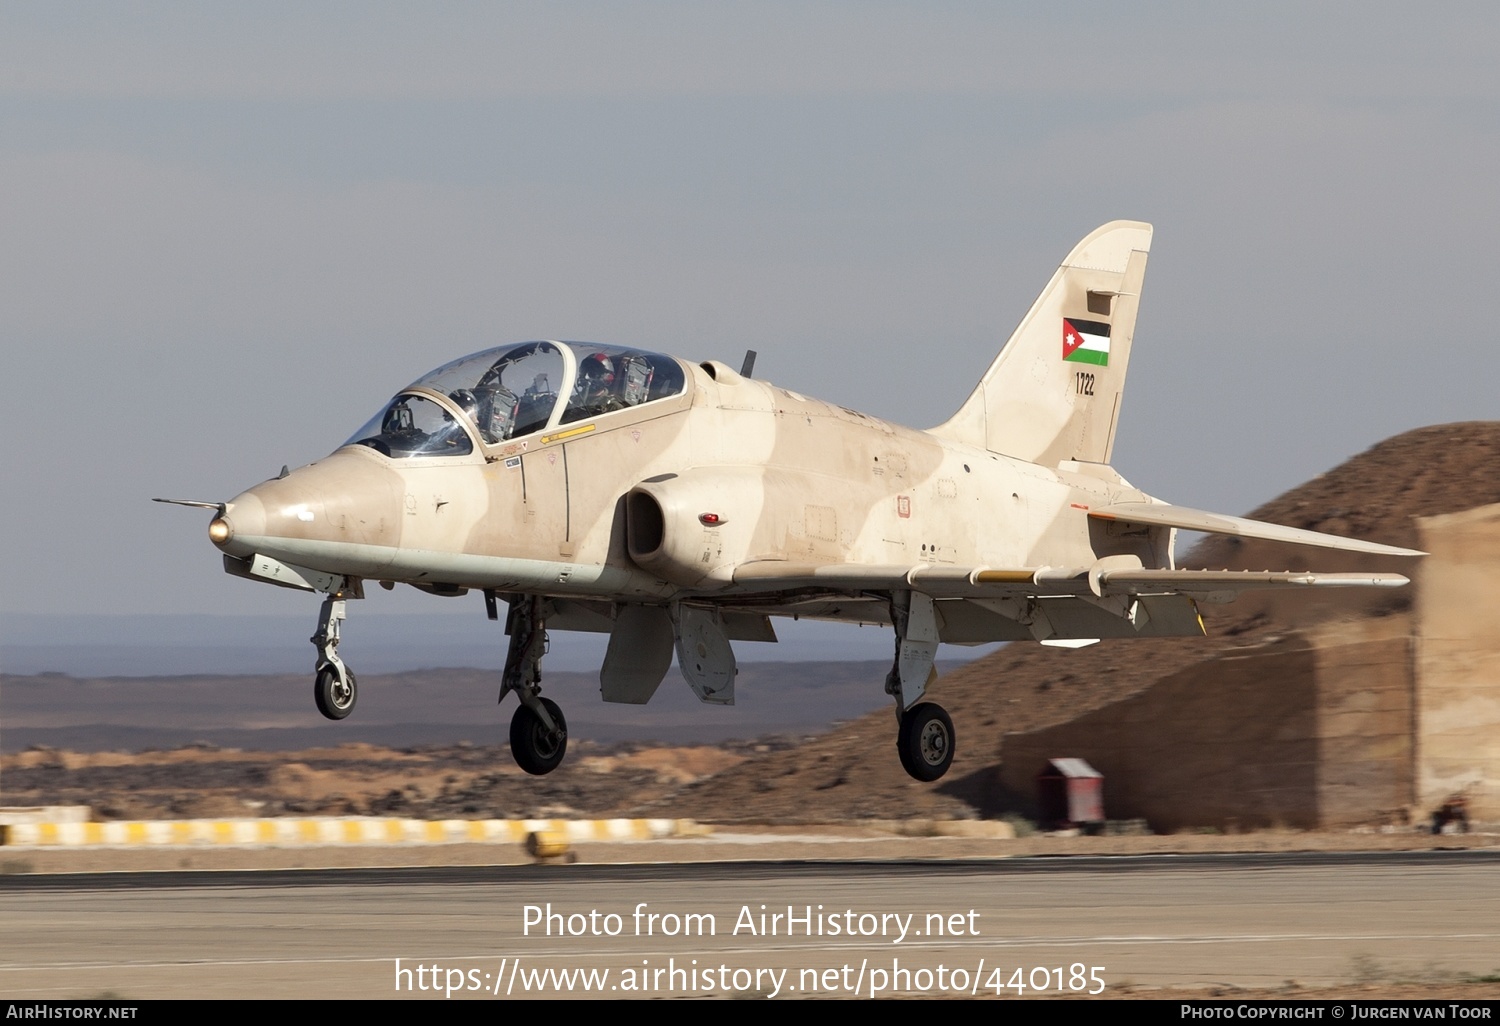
(334, 689)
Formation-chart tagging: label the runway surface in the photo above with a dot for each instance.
(1080, 925)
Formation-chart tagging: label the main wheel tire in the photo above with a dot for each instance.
(537, 750)
(925, 742)
(335, 697)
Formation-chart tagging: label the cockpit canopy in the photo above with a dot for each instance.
(513, 391)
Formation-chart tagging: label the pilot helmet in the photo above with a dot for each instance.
(597, 370)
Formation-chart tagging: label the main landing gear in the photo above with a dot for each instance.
(924, 741)
(924, 734)
(538, 732)
(334, 689)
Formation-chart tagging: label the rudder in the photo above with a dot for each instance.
(1054, 391)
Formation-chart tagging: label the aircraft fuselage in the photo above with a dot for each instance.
(779, 477)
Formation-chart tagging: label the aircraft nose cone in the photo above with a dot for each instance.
(244, 516)
(341, 514)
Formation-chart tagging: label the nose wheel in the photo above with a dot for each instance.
(335, 692)
(334, 689)
(925, 741)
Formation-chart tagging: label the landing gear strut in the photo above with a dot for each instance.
(334, 689)
(924, 735)
(538, 732)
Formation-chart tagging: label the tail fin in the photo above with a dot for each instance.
(1054, 391)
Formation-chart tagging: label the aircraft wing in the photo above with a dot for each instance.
(1112, 576)
(1160, 514)
(1100, 580)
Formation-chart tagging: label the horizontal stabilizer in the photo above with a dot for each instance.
(1159, 514)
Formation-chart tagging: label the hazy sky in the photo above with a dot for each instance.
(228, 232)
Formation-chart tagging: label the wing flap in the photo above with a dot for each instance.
(1160, 514)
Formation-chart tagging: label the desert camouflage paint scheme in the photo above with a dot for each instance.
(681, 506)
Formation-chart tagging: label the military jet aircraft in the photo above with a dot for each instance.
(680, 507)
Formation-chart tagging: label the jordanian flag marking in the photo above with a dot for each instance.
(1086, 342)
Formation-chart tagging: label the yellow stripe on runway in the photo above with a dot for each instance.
(341, 830)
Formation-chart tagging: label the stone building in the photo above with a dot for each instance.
(1341, 722)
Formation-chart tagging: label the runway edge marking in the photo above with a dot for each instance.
(293, 832)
